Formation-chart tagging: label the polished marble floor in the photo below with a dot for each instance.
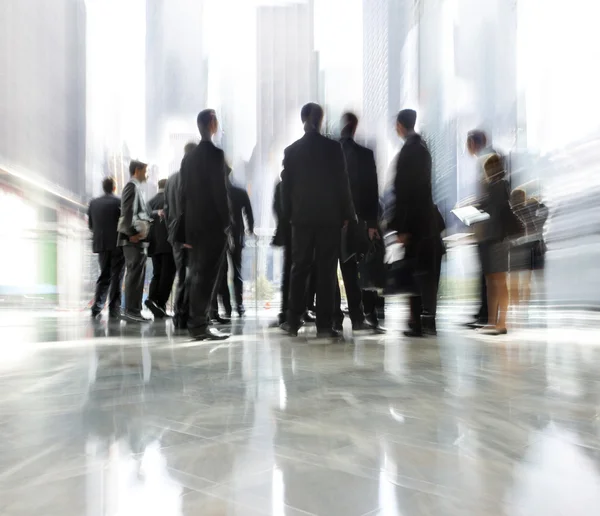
(101, 419)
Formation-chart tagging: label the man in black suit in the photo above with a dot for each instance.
(173, 214)
(134, 227)
(415, 217)
(362, 174)
(240, 207)
(316, 199)
(206, 219)
(161, 252)
(103, 218)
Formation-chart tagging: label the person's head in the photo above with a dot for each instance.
(138, 169)
(109, 185)
(312, 116)
(518, 197)
(207, 123)
(494, 168)
(189, 147)
(476, 142)
(405, 122)
(349, 124)
(161, 184)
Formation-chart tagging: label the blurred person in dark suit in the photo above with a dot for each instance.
(362, 175)
(316, 199)
(241, 208)
(161, 252)
(415, 218)
(103, 219)
(173, 214)
(283, 239)
(206, 220)
(134, 228)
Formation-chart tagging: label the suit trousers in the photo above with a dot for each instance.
(110, 280)
(238, 282)
(180, 257)
(353, 294)
(320, 244)
(427, 280)
(223, 293)
(370, 299)
(206, 263)
(285, 280)
(135, 263)
(163, 276)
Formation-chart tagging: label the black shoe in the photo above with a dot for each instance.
(292, 331)
(332, 334)
(134, 318)
(428, 325)
(156, 310)
(309, 317)
(210, 334)
(241, 310)
(114, 314)
(413, 333)
(179, 323)
(167, 314)
(96, 314)
(362, 326)
(220, 319)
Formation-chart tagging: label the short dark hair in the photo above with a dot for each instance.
(136, 165)
(108, 184)
(205, 118)
(349, 123)
(189, 147)
(407, 118)
(477, 137)
(162, 183)
(311, 113)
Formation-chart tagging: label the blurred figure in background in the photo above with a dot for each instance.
(173, 214)
(103, 219)
(362, 175)
(206, 219)
(134, 227)
(240, 208)
(415, 218)
(282, 238)
(316, 199)
(161, 252)
(494, 248)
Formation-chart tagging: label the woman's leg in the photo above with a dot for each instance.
(501, 289)
(514, 289)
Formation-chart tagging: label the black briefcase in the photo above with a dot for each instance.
(371, 268)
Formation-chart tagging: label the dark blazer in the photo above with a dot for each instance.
(240, 206)
(315, 188)
(414, 211)
(283, 232)
(133, 209)
(103, 218)
(362, 173)
(171, 207)
(204, 197)
(159, 243)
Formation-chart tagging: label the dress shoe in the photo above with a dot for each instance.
(292, 331)
(241, 310)
(156, 310)
(428, 325)
(376, 327)
(167, 314)
(332, 334)
(179, 323)
(413, 333)
(309, 317)
(114, 314)
(362, 326)
(96, 314)
(220, 319)
(134, 318)
(210, 334)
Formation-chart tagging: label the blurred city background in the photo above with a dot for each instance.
(87, 85)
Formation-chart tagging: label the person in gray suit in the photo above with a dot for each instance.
(103, 218)
(134, 226)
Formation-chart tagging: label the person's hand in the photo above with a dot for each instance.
(346, 222)
(373, 233)
(135, 239)
(402, 238)
(187, 246)
(161, 214)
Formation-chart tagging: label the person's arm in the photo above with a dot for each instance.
(286, 189)
(220, 191)
(401, 193)
(248, 212)
(89, 214)
(339, 166)
(166, 203)
(370, 195)
(127, 202)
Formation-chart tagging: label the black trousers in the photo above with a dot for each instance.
(206, 261)
(353, 294)
(223, 293)
(112, 265)
(163, 276)
(285, 280)
(238, 282)
(321, 245)
(482, 315)
(427, 279)
(370, 299)
(135, 263)
(180, 257)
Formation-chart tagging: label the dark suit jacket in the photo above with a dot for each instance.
(172, 206)
(159, 237)
(315, 188)
(283, 232)
(414, 211)
(362, 173)
(133, 208)
(103, 218)
(240, 206)
(204, 197)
